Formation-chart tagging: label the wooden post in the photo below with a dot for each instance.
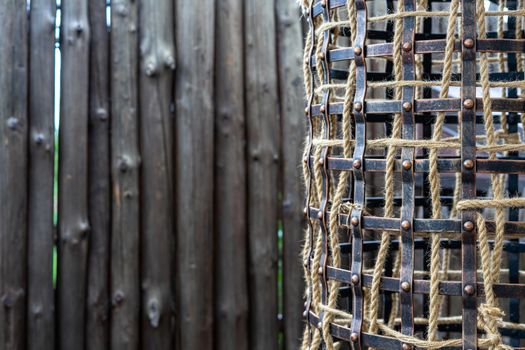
(263, 158)
(157, 61)
(13, 172)
(40, 307)
(231, 301)
(97, 308)
(194, 132)
(292, 129)
(73, 176)
(125, 164)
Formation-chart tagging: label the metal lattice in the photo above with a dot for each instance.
(412, 168)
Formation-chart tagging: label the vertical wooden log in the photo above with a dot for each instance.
(231, 293)
(97, 308)
(289, 34)
(157, 61)
(263, 157)
(194, 178)
(13, 172)
(40, 307)
(125, 163)
(73, 176)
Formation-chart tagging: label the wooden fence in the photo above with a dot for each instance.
(175, 219)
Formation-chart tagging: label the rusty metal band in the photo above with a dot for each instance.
(359, 172)
(323, 160)
(308, 161)
(407, 174)
(468, 177)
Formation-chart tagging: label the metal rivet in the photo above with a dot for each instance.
(468, 164)
(468, 226)
(405, 224)
(358, 51)
(321, 161)
(355, 279)
(356, 164)
(354, 337)
(468, 43)
(319, 325)
(407, 47)
(305, 159)
(468, 103)
(322, 109)
(407, 106)
(321, 55)
(358, 106)
(305, 211)
(320, 271)
(407, 165)
(406, 346)
(305, 313)
(306, 110)
(405, 286)
(320, 214)
(323, 3)
(306, 303)
(469, 289)
(354, 221)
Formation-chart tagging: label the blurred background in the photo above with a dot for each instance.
(150, 174)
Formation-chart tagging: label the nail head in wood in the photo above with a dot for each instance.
(468, 103)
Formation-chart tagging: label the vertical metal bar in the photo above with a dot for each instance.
(407, 174)
(468, 157)
(359, 173)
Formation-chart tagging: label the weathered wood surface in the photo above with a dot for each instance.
(97, 307)
(262, 122)
(231, 300)
(13, 172)
(157, 61)
(194, 133)
(73, 176)
(40, 304)
(289, 35)
(125, 167)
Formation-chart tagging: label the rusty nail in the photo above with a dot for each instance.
(468, 103)
(468, 43)
(468, 226)
(354, 337)
(469, 289)
(468, 164)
